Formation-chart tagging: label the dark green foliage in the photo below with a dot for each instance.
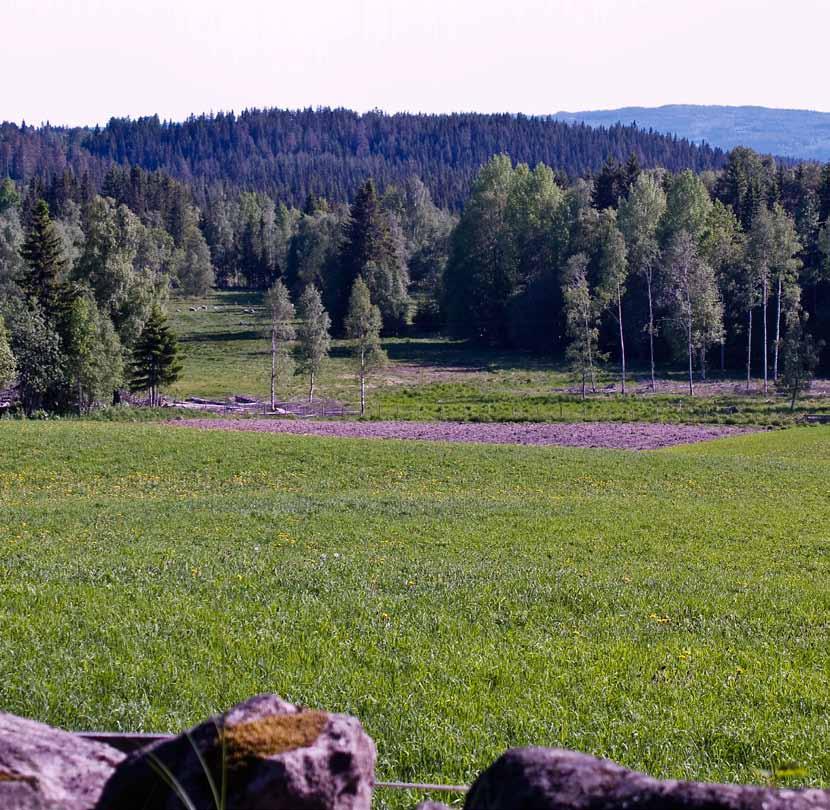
(300, 154)
(373, 249)
(613, 181)
(155, 358)
(799, 359)
(41, 363)
(45, 261)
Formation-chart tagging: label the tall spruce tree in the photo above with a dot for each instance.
(155, 358)
(43, 253)
(373, 248)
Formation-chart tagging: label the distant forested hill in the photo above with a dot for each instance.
(291, 154)
(790, 133)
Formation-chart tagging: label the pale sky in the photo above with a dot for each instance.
(83, 61)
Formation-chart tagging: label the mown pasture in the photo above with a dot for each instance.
(667, 609)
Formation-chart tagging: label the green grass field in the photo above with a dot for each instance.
(666, 609)
(226, 352)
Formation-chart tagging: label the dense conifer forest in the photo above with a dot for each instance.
(291, 154)
(603, 246)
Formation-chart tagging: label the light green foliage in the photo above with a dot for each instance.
(93, 353)
(363, 324)
(639, 218)
(691, 295)
(640, 214)
(687, 207)
(8, 365)
(127, 265)
(282, 330)
(313, 339)
(581, 319)
(193, 270)
(459, 600)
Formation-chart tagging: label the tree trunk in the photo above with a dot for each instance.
(651, 331)
(311, 388)
(590, 358)
(273, 368)
(622, 338)
(777, 332)
(766, 348)
(691, 352)
(722, 356)
(749, 350)
(362, 383)
(702, 362)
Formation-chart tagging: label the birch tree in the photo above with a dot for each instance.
(8, 365)
(282, 333)
(691, 294)
(363, 324)
(313, 339)
(639, 217)
(784, 265)
(580, 320)
(612, 272)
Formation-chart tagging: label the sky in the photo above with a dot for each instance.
(84, 61)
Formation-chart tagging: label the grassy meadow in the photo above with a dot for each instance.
(226, 352)
(666, 609)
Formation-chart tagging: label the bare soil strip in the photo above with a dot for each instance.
(611, 435)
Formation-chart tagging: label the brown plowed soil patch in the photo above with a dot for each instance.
(612, 435)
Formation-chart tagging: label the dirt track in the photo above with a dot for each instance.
(614, 435)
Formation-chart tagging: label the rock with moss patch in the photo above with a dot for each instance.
(44, 768)
(552, 779)
(264, 754)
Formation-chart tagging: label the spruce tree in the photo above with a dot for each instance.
(313, 340)
(42, 251)
(155, 360)
(363, 324)
(373, 248)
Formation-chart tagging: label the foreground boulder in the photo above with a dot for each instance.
(264, 754)
(43, 768)
(552, 779)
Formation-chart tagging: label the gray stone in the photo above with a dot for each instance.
(264, 754)
(552, 779)
(44, 768)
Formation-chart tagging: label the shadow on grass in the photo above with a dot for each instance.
(221, 337)
(445, 352)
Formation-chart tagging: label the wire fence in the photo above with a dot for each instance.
(127, 742)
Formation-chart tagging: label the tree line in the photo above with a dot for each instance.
(291, 154)
(728, 268)
(721, 268)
